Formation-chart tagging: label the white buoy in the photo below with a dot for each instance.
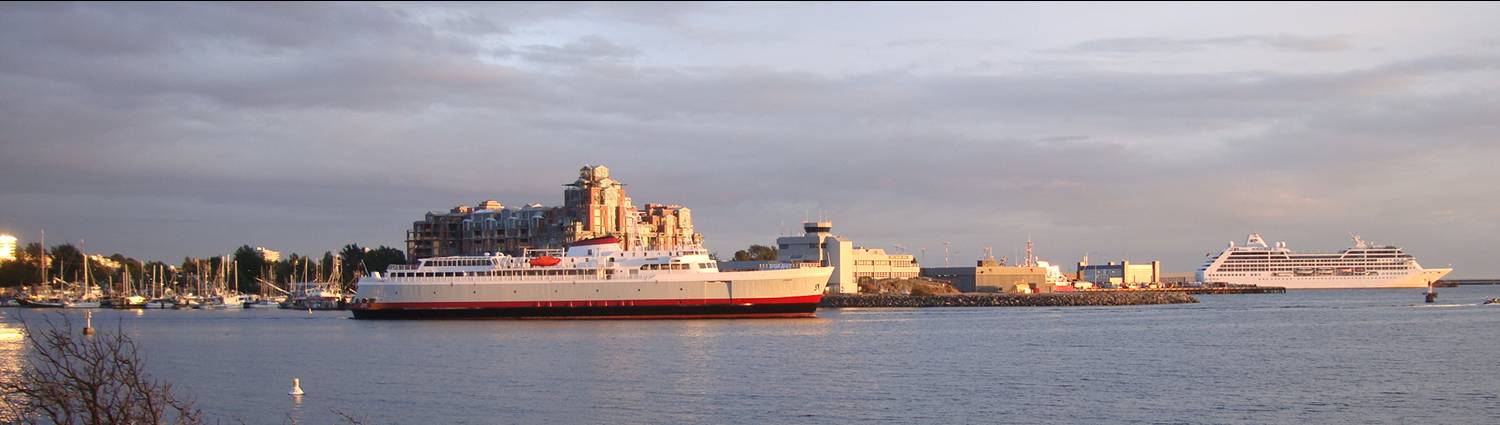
(88, 323)
(296, 387)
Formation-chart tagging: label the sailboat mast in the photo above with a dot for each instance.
(87, 283)
(41, 258)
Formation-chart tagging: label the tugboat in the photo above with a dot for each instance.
(1495, 300)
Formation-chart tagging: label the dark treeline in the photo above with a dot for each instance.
(757, 253)
(66, 265)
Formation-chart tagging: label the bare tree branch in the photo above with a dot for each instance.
(93, 380)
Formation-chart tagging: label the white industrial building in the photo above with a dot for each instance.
(850, 263)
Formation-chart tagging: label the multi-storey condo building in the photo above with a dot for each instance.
(7, 248)
(594, 205)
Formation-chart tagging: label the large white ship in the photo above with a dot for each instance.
(1360, 266)
(592, 279)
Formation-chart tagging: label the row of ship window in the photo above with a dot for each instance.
(676, 266)
(1292, 269)
(499, 273)
(546, 272)
(1310, 257)
(1263, 260)
(452, 263)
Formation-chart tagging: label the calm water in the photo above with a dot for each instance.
(1311, 356)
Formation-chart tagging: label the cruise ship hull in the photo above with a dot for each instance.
(1361, 266)
(1415, 279)
(750, 294)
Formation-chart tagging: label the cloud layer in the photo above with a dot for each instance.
(163, 130)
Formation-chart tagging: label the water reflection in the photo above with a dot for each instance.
(12, 347)
(294, 414)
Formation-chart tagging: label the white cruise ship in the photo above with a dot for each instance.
(592, 279)
(1360, 266)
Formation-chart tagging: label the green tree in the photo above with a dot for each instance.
(325, 268)
(187, 274)
(353, 260)
(289, 270)
(380, 259)
(66, 259)
(25, 270)
(248, 265)
(756, 253)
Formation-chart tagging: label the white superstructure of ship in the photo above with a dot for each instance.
(593, 279)
(1362, 265)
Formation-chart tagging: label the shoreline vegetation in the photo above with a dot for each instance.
(248, 266)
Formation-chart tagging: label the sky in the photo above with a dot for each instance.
(1136, 131)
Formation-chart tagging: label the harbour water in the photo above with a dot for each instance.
(1352, 356)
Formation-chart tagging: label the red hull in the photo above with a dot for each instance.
(804, 306)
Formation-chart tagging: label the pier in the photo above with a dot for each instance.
(1074, 299)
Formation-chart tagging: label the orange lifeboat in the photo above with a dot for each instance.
(545, 261)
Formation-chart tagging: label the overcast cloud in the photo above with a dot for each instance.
(1136, 131)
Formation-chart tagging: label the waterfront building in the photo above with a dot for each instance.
(7, 248)
(1118, 275)
(819, 247)
(269, 255)
(989, 275)
(1177, 279)
(104, 261)
(594, 205)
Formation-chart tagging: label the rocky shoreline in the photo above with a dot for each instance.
(1074, 299)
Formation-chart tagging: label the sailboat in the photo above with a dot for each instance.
(44, 296)
(318, 295)
(88, 296)
(129, 299)
(160, 297)
(265, 299)
(223, 298)
(190, 299)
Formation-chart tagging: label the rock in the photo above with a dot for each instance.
(912, 286)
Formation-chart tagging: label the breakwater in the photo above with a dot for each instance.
(1073, 299)
(1206, 290)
